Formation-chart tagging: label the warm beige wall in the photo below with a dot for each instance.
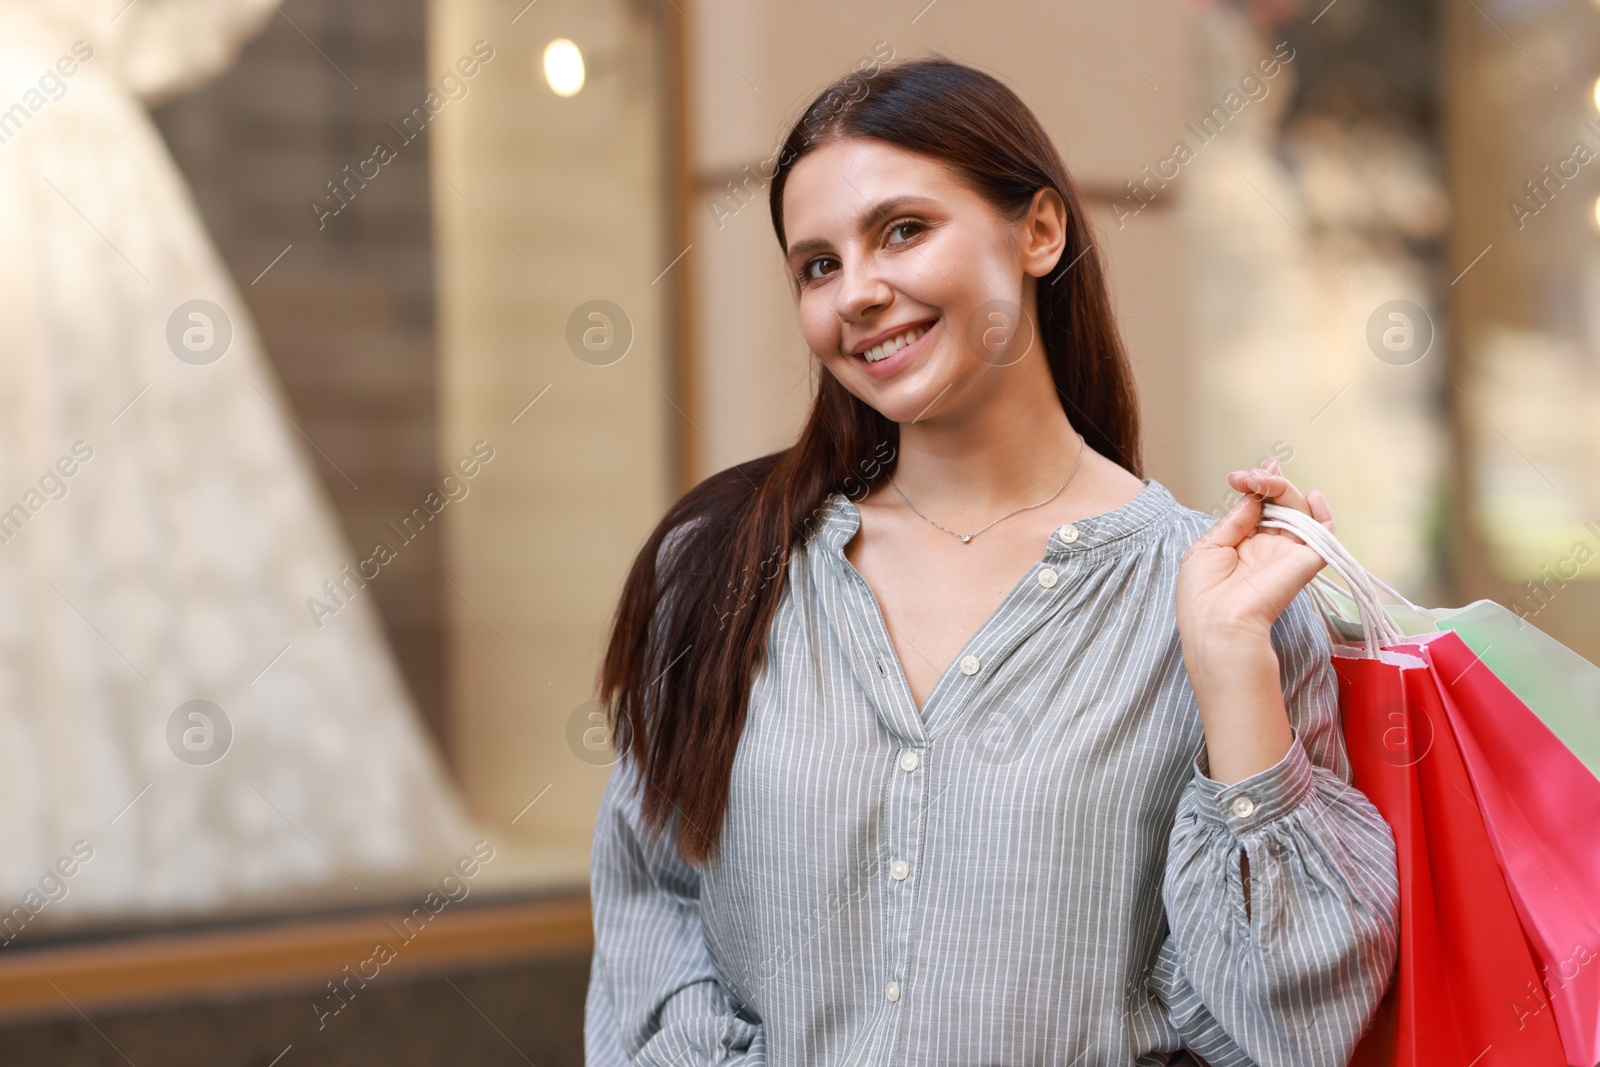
(1108, 85)
(564, 207)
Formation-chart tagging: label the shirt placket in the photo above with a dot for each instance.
(908, 798)
(902, 836)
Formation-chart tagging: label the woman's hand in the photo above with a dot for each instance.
(1237, 579)
(1233, 583)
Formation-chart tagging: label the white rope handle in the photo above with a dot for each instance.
(1377, 628)
(1322, 591)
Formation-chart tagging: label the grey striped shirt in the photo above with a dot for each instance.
(1034, 869)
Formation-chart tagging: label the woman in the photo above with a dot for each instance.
(884, 801)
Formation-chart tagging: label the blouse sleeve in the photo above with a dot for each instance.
(654, 993)
(1293, 979)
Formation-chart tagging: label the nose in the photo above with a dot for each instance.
(862, 291)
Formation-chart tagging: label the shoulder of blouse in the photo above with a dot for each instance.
(1153, 514)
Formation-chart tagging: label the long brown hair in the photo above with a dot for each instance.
(689, 635)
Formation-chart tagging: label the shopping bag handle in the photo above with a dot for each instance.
(1365, 588)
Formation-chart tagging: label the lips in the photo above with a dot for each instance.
(898, 358)
(887, 346)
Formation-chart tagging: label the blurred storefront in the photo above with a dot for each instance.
(530, 241)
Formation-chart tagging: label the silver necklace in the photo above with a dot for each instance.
(968, 537)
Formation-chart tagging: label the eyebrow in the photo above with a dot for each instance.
(882, 210)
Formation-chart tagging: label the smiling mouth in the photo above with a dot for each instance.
(894, 344)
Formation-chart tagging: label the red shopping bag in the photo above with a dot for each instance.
(1465, 966)
(1542, 805)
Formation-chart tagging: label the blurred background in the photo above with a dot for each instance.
(350, 350)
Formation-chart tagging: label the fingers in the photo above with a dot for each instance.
(1320, 509)
(1267, 483)
(1231, 530)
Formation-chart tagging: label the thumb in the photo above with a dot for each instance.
(1237, 524)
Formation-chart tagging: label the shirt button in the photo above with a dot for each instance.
(1243, 806)
(892, 991)
(908, 761)
(1047, 577)
(970, 664)
(1067, 533)
(899, 869)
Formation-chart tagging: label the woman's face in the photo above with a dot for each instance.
(885, 244)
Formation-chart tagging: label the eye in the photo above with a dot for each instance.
(804, 275)
(916, 227)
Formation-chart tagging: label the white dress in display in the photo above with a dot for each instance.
(161, 531)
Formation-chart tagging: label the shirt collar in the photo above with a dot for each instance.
(841, 520)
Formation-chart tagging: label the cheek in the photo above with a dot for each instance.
(820, 328)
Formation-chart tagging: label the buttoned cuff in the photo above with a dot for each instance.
(1251, 802)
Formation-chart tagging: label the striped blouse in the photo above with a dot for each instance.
(1033, 869)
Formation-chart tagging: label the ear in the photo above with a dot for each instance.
(1044, 232)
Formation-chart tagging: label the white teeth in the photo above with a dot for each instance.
(893, 345)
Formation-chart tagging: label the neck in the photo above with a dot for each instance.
(1003, 451)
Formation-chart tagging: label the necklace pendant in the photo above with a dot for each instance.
(965, 538)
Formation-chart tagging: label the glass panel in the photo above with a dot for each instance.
(1317, 211)
(1525, 138)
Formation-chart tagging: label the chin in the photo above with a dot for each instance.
(904, 402)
